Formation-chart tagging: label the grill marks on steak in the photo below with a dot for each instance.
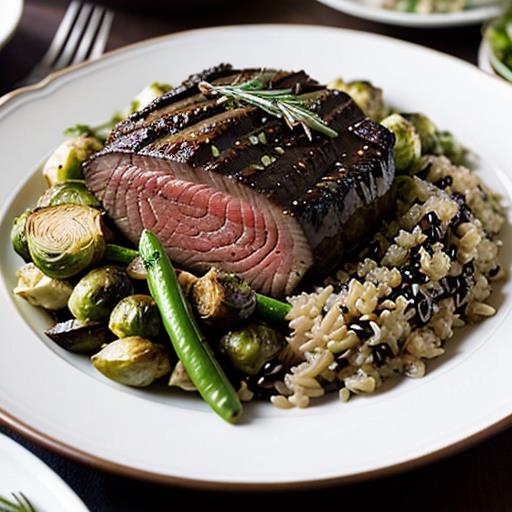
(236, 188)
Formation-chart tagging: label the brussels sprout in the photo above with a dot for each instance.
(448, 146)
(147, 95)
(64, 240)
(434, 141)
(180, 379)
(223, 299)
(426, 129)
(407, 149)
(41, 290)
(368, 97)
(98, 292)
(19, 237)
(136, 315)
(80, 337)
(133, 361)
(66, 161)
(69, 192)
(250, 348)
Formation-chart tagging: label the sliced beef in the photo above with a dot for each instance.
(231, 186)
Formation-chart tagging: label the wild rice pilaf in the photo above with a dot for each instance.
(424, 273)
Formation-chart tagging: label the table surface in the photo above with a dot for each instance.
(477, 479)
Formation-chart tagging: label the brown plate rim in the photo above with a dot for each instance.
(83, 457)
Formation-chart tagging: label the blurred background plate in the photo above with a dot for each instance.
(10, 14)
(176, 6)
(22, 471)
(371, 12)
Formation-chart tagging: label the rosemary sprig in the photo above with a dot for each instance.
(19, 503)
(279, 103)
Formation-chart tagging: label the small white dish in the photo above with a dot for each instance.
(373, 12)
(10, 14)
(484, 60)
(20, 470)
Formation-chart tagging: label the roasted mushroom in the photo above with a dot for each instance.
(81, 337)
(222, 299)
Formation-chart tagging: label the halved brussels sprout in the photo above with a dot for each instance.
(98, 292)
(407, 149)
(223, 299)
(250, 348)
(434, 141)
(136, 315)
(80, 337)
(69, 192)
(426, 130)
(66, 161)
(133, 361)
(41, 290)
(64, 240)
(19, 237)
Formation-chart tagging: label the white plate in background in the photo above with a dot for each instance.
(60, 400)
(10, 14)
(20, 470)
(372, 11)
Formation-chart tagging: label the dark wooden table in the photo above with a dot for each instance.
(479, 479)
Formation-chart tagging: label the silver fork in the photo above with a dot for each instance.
(82, 34)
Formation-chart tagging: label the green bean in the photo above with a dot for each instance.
(187, 340)
(271, 310)
(120, 254)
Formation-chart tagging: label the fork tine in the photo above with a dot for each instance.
(68, 51)
(102, 35)
(89, 34)
(65, 27)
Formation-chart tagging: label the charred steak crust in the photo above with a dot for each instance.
(236, 188)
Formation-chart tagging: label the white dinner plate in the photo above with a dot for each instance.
(10, 14)
(372, 11)
(22, 471)
(60, 400)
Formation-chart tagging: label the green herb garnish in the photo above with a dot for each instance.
(100, 132)
(19, 503)
(279, 103)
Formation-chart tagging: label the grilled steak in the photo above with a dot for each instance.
(234, 187)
